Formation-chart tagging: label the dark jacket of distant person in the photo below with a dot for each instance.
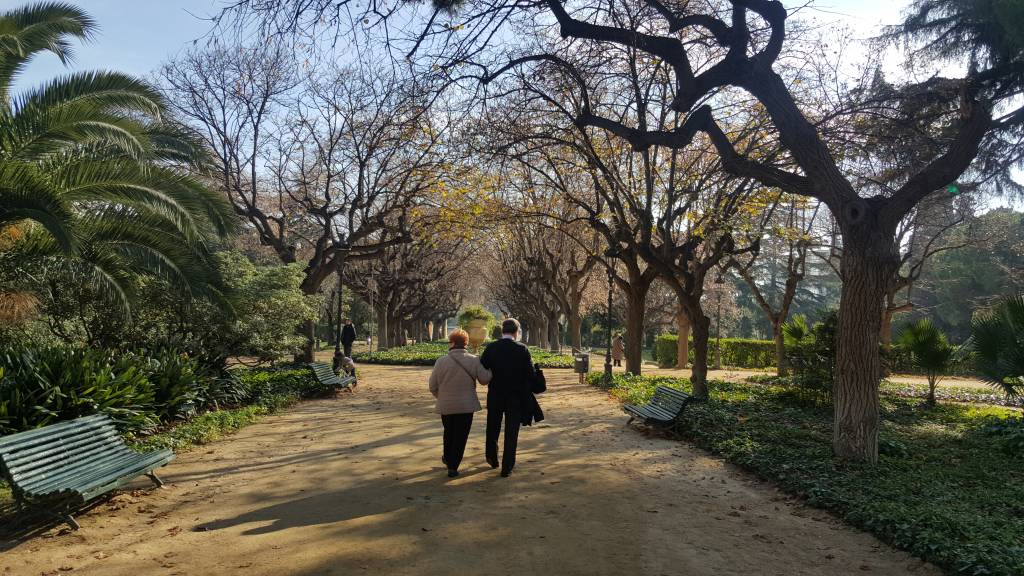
(348, 334)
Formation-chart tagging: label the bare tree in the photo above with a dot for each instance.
(323, 166)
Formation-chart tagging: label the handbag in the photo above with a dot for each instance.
(540, 383)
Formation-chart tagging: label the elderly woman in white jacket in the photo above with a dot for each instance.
(453, 383)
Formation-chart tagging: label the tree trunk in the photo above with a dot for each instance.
(554, 335)
(309, 331)
(575, 330)
(869, 261)
(683, 345)
(781, 367)
(542, 333)
(635, 302)
(699, 373)
(382, 329)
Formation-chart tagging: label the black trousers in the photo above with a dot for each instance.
(512, 422)
(348, 349)
(456, 432)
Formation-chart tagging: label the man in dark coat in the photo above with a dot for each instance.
(513, 374)
(348, 336)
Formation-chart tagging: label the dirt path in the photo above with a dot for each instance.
(354, 485)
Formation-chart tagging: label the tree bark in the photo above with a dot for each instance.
(308, 330)
(542, 333)
(554, 335)
(699, 373)
(683, 345)
(869, 260)
(781, 367)
(575, 330)
(636, 298)
(382, 329)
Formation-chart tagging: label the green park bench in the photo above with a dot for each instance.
(65, 465)
(664, 409)
(326, 376)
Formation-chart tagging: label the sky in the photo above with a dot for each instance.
(137, 36)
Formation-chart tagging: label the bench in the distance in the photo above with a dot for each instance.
(326, 376)
(65, 465)
(664, 408)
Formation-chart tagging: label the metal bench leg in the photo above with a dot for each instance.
(630, 421)
(156, 479)
(71, 521)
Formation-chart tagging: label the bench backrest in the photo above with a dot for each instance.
(670, 399)
(325, 374)
(37, 457)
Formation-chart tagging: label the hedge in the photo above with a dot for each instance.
(426, 353)
(736, 352)
(751, 353)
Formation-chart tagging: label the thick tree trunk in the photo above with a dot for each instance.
(382, 329)
(683, 345)
(308, 330)
(781, 367)
(554, 335)
(699, 373)
(575, 330)
(542, 333)
(869, 261)
(636, 298)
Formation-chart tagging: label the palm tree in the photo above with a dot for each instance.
(997, 339)
(930, 349)
(94, 178)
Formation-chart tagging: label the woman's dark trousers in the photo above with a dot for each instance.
(456, 432)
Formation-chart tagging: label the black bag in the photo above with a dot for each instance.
(540, 384)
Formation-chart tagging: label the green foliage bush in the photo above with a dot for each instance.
(944, 488)
(426, 353)
(45, 385)
(736, 352)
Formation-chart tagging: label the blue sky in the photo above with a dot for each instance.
(137, 36)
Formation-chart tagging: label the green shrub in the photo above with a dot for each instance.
(943, 489)
(736, 352)
(998, 342)
(42, 386)
(426, 353)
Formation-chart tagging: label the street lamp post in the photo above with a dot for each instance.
(338, 354)
(608, 350)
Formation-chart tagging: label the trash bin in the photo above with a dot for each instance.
(581, 363)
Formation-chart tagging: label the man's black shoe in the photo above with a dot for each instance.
(493, 461)
(453, 473)
(505, 473)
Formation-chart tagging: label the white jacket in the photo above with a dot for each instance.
(453, 387)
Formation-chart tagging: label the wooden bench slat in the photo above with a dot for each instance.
(79, 480)
(39, 455)
(83, 459)
(73, 462)
(665, 406)
(32, 438)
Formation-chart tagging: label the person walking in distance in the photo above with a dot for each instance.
(348, 336)
(618, 350)
(512, 376)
